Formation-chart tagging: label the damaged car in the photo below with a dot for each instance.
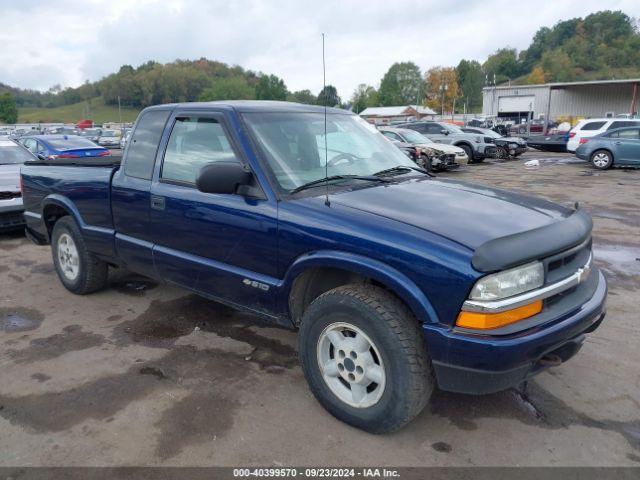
(503, 147)
(427, 154)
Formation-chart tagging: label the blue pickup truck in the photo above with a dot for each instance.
(397, 281)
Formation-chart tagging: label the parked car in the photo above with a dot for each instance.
(51, 147)
(125, 138)
(620, 147)
(408, 150)
(109, 138)
(533, 127)
(12, 155)
(428, 154)
(92, 134)
(549, 143)
(440, 132)
(69, 131)
(397, 281)
(595, 126)
(503, 146)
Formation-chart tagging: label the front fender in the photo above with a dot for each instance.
(388, 276)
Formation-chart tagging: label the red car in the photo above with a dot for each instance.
(537, 127)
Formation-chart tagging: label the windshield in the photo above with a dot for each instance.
(411, 136)
(451, 128)
(491, 133)
(12, 153)
(70, 142)
(109, 133)
(294, 146)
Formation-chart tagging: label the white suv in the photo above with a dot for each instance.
(595, 126)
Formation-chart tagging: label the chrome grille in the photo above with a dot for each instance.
(566, 263)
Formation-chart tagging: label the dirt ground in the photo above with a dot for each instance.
(146, 374)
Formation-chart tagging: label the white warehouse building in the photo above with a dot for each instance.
(602, 98)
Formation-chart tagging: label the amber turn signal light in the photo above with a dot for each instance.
(486, 321)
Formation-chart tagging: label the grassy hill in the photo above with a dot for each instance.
(608, 74)
(100, 113)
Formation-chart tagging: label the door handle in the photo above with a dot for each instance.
(157, 203)
(618, 142)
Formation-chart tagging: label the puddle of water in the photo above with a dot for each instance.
(17, 323)
(609, 215)
(619, 259)
(562, 160)
(442, 447)
(156, 372)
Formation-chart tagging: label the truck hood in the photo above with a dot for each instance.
(465, 213)
(10, 178)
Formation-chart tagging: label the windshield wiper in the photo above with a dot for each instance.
(399, 169)
(370, 178)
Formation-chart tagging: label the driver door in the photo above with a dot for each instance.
(217, 244)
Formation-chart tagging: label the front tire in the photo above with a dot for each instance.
(365, 359)
(78, 270)
(469, 151)
(601, 159)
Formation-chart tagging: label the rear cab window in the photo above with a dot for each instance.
(143, 146)
(592, 126)
(70, 143)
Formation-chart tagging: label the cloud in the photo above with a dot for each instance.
(69, 41)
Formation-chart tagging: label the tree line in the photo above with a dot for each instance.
(601, 45)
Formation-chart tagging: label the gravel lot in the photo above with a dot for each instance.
(146, 374)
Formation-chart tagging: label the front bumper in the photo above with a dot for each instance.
(480, 364)
(11, 213)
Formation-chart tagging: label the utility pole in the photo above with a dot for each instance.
(120, 117)
(443, 89)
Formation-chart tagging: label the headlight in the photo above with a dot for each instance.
(513, 145)
(509, 282)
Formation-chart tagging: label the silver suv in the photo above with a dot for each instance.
(440, 132)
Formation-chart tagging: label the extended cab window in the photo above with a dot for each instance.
(143, 146)
(193, 143)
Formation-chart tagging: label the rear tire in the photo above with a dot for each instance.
(602, 159)
(79, 271)
(364, 357)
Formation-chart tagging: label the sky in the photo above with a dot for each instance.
(43, 43)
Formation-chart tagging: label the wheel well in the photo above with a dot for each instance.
(313, 282)
(467, 144)
(603, 150)
(51, 214)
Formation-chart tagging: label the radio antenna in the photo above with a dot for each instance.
(326, 151)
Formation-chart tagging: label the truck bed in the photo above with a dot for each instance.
(81, 185)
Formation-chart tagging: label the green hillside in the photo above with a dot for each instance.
(98, 112)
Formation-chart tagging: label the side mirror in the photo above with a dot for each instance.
(444, 131)
(222, 177)
(42, 156)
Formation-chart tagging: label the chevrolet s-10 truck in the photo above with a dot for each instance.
(308, 218)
